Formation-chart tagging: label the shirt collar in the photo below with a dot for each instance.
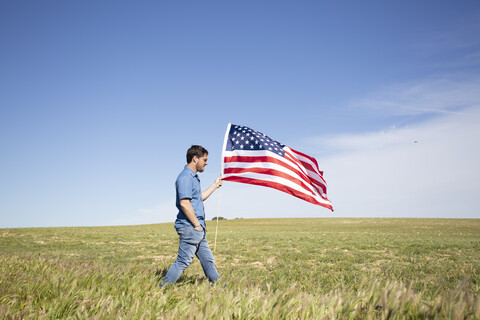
(193, 174)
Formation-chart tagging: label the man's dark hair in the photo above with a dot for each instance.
(195, 150)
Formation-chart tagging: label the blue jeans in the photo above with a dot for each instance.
(192, 242)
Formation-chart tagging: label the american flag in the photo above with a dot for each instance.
(251, 157)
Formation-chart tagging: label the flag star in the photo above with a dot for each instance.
(242, 138)
(248, 134)
(252, 138)
(247, 142)
(237, 142)
(256, 141)
(251, 146)
(269, 148)
(241, 146)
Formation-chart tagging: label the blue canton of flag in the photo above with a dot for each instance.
(243, 138)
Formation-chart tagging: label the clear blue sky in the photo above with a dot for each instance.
(100, 100)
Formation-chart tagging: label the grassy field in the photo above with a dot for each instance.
(271, 269)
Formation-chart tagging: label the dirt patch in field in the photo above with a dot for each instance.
(258, 264)
(271, 260)
(296, 250)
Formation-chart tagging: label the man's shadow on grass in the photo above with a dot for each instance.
(195, 279)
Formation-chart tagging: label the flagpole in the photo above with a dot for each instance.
(224, 147)
(221, 175)
(216, 229)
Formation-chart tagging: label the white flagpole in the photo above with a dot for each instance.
(216, 229)
(222, 166)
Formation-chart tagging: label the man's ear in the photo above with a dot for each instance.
(195, 159)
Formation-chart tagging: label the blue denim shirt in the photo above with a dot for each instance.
(188, 186)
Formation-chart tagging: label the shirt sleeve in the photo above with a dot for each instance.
(185, 187)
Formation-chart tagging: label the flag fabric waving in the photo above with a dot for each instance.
(251, 157)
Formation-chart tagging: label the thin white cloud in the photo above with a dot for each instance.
(427, 97)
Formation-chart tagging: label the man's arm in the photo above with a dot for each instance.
(187, 209)
(217, 184)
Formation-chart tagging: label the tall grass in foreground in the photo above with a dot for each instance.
(274, 268)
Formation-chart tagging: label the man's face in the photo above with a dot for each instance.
(202, 162)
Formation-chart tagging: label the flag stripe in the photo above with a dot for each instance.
(271, 161)
(281, 187)
(317, 180)
(303, 155)
(313, 179)
(264, 160)
(309, 163)
(268, 171)
(286, 172)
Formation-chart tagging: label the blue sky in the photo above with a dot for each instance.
(100, 100)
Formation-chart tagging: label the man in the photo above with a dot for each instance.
(190, 223)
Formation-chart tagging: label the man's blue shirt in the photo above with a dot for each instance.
(188, 187)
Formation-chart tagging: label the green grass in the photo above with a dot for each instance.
(271, 268)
